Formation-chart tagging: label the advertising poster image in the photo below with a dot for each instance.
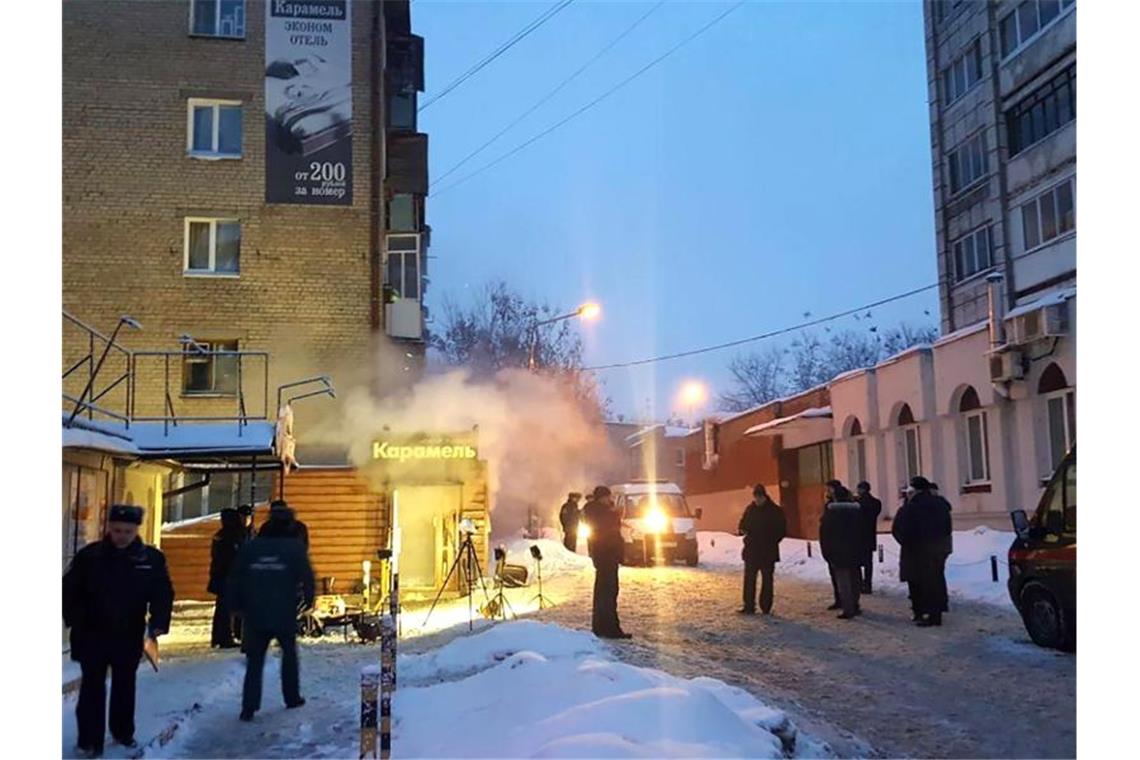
(308, 102)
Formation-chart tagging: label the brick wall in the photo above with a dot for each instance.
(304, 287)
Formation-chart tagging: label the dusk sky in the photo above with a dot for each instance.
(778, 164)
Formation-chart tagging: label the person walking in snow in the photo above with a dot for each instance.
(841, 541)
(923, 529)
(870, 508)
(224, 547)
(263, 587)
(116, 593)
(606, 548)
(763, 526)
(569, 516)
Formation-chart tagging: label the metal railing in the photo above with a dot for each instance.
(85, 403)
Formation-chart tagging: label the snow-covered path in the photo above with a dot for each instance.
(875, 686)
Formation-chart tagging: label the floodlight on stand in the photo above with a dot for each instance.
(500, 553)
(536, 552)
(467, 526)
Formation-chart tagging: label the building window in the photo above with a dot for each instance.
(912, 443)
(402, 215)
(1060, 413)
(404, 265)
(402, 109)
(224, 490)
(218, 18)
(977, 438)
(1049, 215)
(213, 128)
(213, 246)
(1021, 26)
(968, 163)
(679, 458)
(1043, 112)
(972, 253)
(210, 368)
(962, 74)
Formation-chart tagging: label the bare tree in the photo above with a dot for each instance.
(902, 336)
(757, 378)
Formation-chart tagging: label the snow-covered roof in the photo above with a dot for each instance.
(965, 332)
(916, 348)
(671, 431)
(1049, 299)
(780, 425)
(766, 404)
(851, 373)
(151, 440)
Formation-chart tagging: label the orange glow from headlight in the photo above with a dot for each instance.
(656, 521)
(584, 531)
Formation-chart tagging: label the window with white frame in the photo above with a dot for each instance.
(968, 163)
(976, 430)
(1021, 26)
(403, 257)
(962, 74)
(210, 368)
(213, 128)
(1060, 414)
(213, 246)
(217, 18)
(972, 253)
(1049, 215)
(911, 442)
(860, 465)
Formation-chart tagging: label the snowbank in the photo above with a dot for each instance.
(968, 574)
(556, 559)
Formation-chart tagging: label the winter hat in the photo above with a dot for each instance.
(920, 483)
(245, 510)
(863, 486)
(230, 517)
(833, 484)
(601, 492)
(278, 504)
(759, 490)
(125, 513)
(575, 495)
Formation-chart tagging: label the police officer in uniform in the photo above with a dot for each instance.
(605, 550)
(569, 516)
(110, 590)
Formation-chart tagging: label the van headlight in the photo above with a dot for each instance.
(656, 521)
(584, 531)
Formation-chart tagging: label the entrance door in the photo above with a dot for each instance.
(424, 512)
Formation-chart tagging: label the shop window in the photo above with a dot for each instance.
(210, 368)
(217, 18)
(213, 247)
(84, 508)
(213, 128)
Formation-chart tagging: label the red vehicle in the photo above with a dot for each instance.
(1043, 562)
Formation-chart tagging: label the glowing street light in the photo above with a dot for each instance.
(694, 393)
(588, 311)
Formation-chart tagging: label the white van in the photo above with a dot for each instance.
(657, 525)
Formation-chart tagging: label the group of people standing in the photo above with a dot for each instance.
(848, 538)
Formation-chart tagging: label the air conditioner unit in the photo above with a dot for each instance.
(1050, 321)
(1006, 366)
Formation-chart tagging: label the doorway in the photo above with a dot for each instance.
(425, 515)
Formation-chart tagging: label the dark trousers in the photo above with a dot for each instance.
(929, 590)
(222, 631)
(256, 644)
(766, 570)
(868, 571)
(831, 570)
(91, 710)
(605, 618)
(570, 538)
(846, 582)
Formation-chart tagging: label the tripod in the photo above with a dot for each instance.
(543, 602)
(466, 553)
(498, 606)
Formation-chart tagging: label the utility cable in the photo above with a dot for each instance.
(594, 102)
(546, 98)
(518, 37)
(772, 334)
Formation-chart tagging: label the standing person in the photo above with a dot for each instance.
(569, 516)
(109, 591)
(870, 509)
(763, 526)
(286, 523)
(841, 542)
(263, 587)
(224, 547)
(605, 550)
(923, 529)
(908, 573)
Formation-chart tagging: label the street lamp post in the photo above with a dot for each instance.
(693, 394)
(585, 311)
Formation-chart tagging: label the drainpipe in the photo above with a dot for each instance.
(997, 325)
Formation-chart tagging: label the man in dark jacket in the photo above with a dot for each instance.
(569, 516)
(263, 587)
(870, 508)
(108, 592)
(763, 526)
(223, 550)
(288, 523)
(841, 542)
(606, 547)
(923, 529)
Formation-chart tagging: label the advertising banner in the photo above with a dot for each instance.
(308, 102)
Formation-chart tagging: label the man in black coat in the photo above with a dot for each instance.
(110, 589)
(923, 529)
(763, 526)
(606, 548)
(870, 509)
(280, 512)
(223, 550)
(263, 586)
(841, 542)
(569, 516)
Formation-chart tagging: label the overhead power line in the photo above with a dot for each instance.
(594, 102)
(518, 37)
(772, 334)
(546, 98)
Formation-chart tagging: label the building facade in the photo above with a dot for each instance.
(658, 452)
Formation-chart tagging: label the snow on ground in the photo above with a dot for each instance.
(516, 689)
(968, 573)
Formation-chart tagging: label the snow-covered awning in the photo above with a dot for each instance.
(153, 440)
(810, 422)
(1050, 299)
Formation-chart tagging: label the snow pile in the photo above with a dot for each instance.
(968, 573)
(556, 559)
(538, 690)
